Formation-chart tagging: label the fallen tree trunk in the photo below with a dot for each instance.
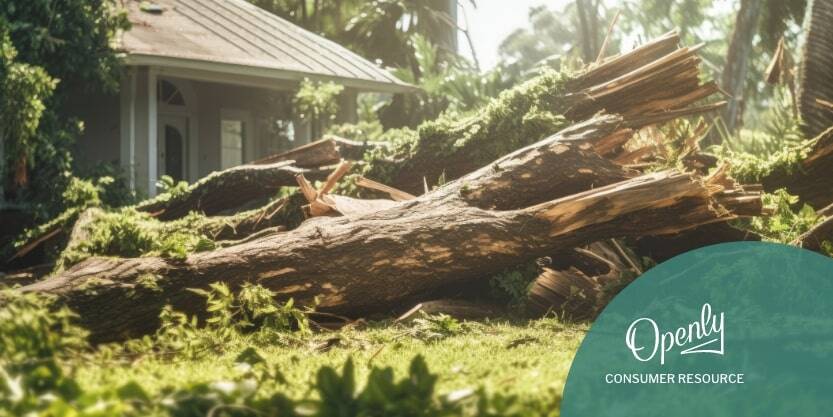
(325, 152)
(228, 189)
(103, 233)
(812, 178)
(25, 276)
(819, 238)
(375, 261)
(665, 247)
(651, 84)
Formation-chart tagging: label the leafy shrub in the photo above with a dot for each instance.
(781, 128)
(252, 315)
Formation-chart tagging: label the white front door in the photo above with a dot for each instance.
(172, 150)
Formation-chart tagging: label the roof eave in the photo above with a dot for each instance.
(137, 59)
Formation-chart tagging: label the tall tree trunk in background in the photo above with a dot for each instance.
(589, 21)
(316, 9)
(815, 85)
(2, 172)
(447, 33)
(304, 17)
(737, 62)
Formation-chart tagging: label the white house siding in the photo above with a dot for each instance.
(100, 140)
(217, 100)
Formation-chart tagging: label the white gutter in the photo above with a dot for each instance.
(262, 72)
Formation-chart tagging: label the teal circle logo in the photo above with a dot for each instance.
(737, 329)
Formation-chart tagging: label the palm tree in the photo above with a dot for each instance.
(815, 87)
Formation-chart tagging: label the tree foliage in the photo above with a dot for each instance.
(317, 102)
(23, 90)
(52, 52)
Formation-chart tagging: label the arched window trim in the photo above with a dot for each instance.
(169, 94)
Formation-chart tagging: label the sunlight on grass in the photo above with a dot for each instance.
(531, 359)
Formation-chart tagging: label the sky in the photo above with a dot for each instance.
(493, 20)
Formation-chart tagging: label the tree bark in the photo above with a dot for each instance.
(519, 208)
(812, 178)
(815, 84)
(818, 236)
(325, 152)
(227, 190)
(737, 62)
(663, 248)
(588, 22)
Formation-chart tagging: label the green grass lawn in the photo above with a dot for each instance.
(528, 359)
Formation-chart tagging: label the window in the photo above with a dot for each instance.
(167, 93)
(232, 135)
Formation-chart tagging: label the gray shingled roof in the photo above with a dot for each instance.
(235, 35)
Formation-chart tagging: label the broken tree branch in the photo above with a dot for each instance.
(226, 190)
(325, 152)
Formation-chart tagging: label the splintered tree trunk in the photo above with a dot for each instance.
(656, 82)
(519, 208)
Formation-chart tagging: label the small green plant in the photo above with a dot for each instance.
(786, 223)
(253, 309)
(512, 286)
(435, 327)
(173, 188)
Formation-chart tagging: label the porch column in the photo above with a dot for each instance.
(127, 148)
(152, 130)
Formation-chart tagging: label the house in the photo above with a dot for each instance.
(208, 84)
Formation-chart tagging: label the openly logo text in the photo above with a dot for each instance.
(646, 340)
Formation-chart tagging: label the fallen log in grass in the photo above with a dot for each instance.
(521, 207)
